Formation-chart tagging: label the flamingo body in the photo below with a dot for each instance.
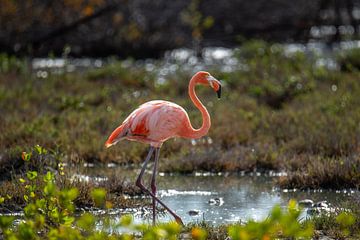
(156, 121)
(153, 123)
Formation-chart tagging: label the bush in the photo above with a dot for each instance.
(12, 64)
(270, 74)
(349, 60)
(50, 213)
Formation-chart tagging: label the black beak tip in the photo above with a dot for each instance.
(219, 92)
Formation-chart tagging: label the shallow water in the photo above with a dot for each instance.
(212, 57)
(239, 197)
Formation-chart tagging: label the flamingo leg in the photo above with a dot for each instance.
(142, 187)
(148, 157)
(153, 181)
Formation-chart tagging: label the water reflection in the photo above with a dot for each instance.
(220, 58)
(243, 197)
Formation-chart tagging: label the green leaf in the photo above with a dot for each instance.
(66, 198)
(26, 231)
(159, 233)
(308, 231)
(6, 221)
(40, 150)
(48, 177)
(345, 219)
(26, 156)
(41, 203)
(49, 189)
(239, 232)
(55, 214)
(293, 209)
(173, 228)
(276, 213)
(67, 220)
(86, 221)
(98, 196)
(72, 194)
(31, 175)
(39, 221)
(30, 210)
(53, 233)
(32, 188)
(2, 199)
(126, 220)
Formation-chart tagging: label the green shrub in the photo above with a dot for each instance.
(349, 60)
(12, 64)
(270, 74)
(49, 213)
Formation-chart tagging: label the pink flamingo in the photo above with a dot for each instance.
(156, 121)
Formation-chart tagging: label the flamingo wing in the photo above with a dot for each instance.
(153, 122)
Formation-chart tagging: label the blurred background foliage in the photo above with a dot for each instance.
(143, 28)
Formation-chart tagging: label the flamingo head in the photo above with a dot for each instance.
(205, 78)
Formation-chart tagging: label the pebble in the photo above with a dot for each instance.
(306, 203)
(216, 201)
(194, 212)
(326, 238)
(323, 204)
(321, 236)
(321, 207)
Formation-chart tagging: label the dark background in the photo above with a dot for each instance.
(146, 28)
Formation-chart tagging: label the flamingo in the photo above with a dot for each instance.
(156, 121)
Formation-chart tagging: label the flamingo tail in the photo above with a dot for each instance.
(116, 136)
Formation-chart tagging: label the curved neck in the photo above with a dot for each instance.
(206, 123)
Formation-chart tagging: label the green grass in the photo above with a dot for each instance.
(349, 60)
(17, 188)
(339, 225)
(280, 113)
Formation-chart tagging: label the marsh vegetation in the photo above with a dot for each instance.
(281, 112)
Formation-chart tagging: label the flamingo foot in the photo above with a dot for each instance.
(179, 221)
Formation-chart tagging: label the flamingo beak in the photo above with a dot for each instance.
(219, 92)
